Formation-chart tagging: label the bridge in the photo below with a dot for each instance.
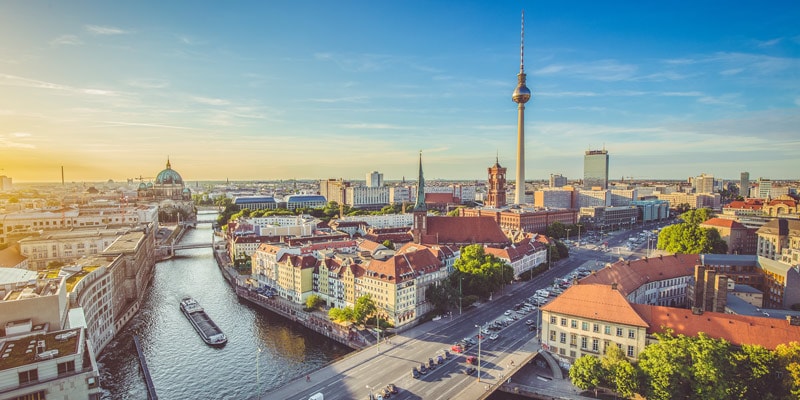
(190, 246)
(369, 370)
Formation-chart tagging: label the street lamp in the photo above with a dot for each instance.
(370, 392)
(568, 229)
(579, 232)
(460, 295)
(479, 351)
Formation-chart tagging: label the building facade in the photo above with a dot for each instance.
(595, 169)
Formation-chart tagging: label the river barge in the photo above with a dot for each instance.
(202, 323)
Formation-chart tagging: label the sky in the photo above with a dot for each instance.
(307, 89)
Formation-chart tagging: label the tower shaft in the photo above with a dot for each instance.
(519, 196)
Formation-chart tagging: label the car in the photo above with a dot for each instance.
(508, 312)
(469, 370)
(415, 372)
(446, 354)
(422, 369)
(529, 322)
(385, 393)
(457, 348)
(479, 337)
(472, 360)
(431, 364)
(439, 360)
(532, 328)
(494, 336)
(392, 388)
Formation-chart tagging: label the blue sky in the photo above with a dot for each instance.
(323, 89)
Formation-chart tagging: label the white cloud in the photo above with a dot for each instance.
(146, 83)
(729, 99)
(601, 70)
(67, 40)
(9, 142)
(211, 101)
(731, 71)
(371, 126)
(105, 30)
(768, 43)
(21, 134)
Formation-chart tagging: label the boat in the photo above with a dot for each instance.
(202, 323)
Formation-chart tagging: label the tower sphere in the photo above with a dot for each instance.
(521, 94)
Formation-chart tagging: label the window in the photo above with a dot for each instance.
(29, 376)
(573, 323)
(630, 351)
(631, 334)
(573, 340)
(66, 367)
(552, 336)
(619, 332)
(563, 337)
(572, 353)
(563, 322)
(595, 328)
(595, 345)
(584, 342)
(585, 326)
(607, 329)
(552, 319)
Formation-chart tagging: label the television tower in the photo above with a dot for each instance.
(521, 96)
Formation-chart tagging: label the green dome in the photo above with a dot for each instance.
(169, 177)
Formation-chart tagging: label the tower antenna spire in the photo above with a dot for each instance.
(522, 45)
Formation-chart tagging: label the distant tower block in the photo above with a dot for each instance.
(521, 96)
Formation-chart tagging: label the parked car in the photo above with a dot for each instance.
(457, 348)
(415, 373)
(469, 370)
(494, 336)
(431, 364)
(422, 369)
(392, 388)
(529, 322)
(439, 360)
(472, 360)
(446, 354)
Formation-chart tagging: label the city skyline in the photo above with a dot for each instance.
(316, 90)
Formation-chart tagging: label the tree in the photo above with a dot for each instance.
(586, 373)
(689, 238)
(753, 374)
(556, 230)
(341, 314)
(788, 357)
(454, 212)
(483, 273)
(388, 244)
(666, 366)
(313, 301)
(364, 308)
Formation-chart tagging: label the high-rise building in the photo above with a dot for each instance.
(496, 193)
(595, 169)
(557, 181)
(521, 96)
(704, 184)
(374, 179)
(5, 183)
(744, 184)
(764, 188)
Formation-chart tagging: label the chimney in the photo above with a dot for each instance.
(793, 320)
(660, 256)
(614, 286)
(697, 311)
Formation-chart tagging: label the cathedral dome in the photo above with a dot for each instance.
(169, 177)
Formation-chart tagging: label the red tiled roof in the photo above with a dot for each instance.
(723, 223)
(749, 204)
(736, 329)
(629, 276)
(599, 302)
(516, 251)
(403, 267)
(440, 198)
(463, 230)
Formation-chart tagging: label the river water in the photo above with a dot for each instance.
(181, 365)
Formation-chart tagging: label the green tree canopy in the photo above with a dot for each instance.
(587, 373)
(482, 273)
(689, 238)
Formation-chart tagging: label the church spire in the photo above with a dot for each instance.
(419, 205)
(169, 166)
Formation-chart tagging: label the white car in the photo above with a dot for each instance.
(508, 312)
(494, 336)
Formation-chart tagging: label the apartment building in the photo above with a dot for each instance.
(64, 246)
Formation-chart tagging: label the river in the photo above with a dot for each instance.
(181, 365)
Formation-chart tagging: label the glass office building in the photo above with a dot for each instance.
(595, 169)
